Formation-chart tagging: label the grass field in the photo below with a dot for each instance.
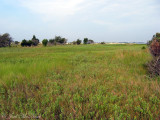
(78, 82)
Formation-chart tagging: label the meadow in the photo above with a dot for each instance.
(78, 82)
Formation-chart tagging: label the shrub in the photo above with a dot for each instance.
(58, 40)
(143, 47)
(85, 41)
(74, 42)
(154, 47)
(44, 42)
(29, 43)
(35, 41)
(5, 40)
(102, 42)
(78, 41)
(154, 67)
(16, 42)
(24, 43)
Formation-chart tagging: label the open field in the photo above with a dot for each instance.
(78, 82)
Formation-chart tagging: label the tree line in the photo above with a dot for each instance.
(7, 40)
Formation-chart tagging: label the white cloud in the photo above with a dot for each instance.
(50, 8)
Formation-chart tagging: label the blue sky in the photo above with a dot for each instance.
(100, 20)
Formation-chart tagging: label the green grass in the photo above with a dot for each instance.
(78, 82)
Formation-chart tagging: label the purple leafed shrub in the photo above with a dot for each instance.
(154, 65)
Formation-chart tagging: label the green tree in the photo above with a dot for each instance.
(5, 40)
(51, 41)
(60, 40)
(102, 42)
(35, 41)
(74, 42)
(44, 42)
(78, 41)
(24, 43)
(90, 42)
(85, 41)
(16, 42)
(29, 43)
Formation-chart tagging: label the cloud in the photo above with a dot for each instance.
(106, 9)
(50, 8)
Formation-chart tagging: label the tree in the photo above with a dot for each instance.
(16, 42)
(90, 42)
(5, 40)
(78, 41)
(51, 41)
(74, 42)
(44, 42)
(24, 43)
(35, 41)
(85, 41)
(29, 43)
(60, 40)
(102, 42)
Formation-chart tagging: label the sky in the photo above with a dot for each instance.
(99, 20)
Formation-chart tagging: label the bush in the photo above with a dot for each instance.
(143, 47)
(26, 43)
(78, 41)
(35, 41)
(85, 41)
(44, 42)
(102, 42)
(57, 40)
(154, 67)
(16, 42)
(154, 47)
(5, 40)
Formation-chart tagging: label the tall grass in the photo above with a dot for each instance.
(78, 82)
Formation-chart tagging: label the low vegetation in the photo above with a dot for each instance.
(78, 82)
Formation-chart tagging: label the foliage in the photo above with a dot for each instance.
(51, 41)
(5, 40)
(78, 41)
(143, 48)
(26, 43)
(155, 37)
(44, 42)
(85, 41)
(16, 42)
(154, 47)
(90, 42)
(35, 41)
(74, 42)
(102, 42)
(60, 40)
